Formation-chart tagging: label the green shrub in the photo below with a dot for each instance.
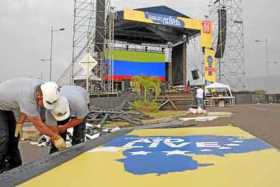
(146, 87)
(145, 106)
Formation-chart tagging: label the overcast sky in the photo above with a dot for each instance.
(25, 33)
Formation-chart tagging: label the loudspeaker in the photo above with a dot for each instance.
(222, 32)
(100, 25)
(195, 74)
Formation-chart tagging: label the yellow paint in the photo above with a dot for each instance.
(218, 131)
(255, 169)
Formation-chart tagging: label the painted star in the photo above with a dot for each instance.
(175, 152)
(140, 153)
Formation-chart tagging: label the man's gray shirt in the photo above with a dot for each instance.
(78, 99)
(19, 95)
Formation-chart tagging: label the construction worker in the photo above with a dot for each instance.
(25, 97)
(70, 111)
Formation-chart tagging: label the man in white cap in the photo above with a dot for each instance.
(25, 97)
(70, 111)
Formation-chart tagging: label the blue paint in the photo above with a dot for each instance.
(157, 153)
(140, 165)
(139, 68)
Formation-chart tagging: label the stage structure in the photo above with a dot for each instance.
(164, 28)
(226, 16)
(139, 35)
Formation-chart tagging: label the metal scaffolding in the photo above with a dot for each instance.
(104, 43)
(232, 64)
(83, 36)
(93, 33)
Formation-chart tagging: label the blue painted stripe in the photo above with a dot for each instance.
(139, 68)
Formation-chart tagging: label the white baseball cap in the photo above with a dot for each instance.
(61, 111)
(50, 91)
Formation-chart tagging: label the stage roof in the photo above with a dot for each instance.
(137, 32)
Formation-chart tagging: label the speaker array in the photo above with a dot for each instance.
(222, 32)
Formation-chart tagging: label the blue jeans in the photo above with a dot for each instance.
(199, 102)
(9, 152)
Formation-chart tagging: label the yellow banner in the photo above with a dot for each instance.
(206, 34)
(133, 15)
(210, 65)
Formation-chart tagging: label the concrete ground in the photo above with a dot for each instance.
(261, 120)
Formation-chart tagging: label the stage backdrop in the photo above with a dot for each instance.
(126, 64)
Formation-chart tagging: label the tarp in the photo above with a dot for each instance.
(217, 85)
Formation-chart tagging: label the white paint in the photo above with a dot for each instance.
(104, 149)
(200, 119)
(205, 150)
(173, 142)
(175, 152)
(232, 145)
(132, 144)
(156, 142)
(225, 148)
(140, 153)
(207, 145)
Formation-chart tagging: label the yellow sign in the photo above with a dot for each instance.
(210, 65)
(212, 156)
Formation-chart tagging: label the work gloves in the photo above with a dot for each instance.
(18, 131)
(58, 142)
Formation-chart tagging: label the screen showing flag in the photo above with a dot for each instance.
(126, 64)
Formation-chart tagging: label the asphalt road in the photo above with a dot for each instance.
(262, 120)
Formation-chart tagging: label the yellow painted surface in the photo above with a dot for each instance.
(102, 169)
(210, 69)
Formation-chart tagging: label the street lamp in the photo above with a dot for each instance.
(51, 49)
(265, 41)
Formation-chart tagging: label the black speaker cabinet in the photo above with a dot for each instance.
(222, 32)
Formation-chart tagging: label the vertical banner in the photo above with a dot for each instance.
(206, 34)
(210, 64)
